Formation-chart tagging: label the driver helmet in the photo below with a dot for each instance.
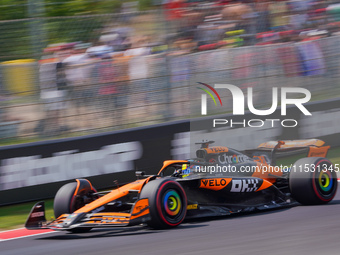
(185, 170)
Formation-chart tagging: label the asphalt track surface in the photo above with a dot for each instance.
(300, 230)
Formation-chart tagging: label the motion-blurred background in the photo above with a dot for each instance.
(76, 67)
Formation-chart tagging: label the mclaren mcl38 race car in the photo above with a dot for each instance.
(212, 184)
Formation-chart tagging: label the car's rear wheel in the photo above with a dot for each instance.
(313, 181)
(167, 201)
(66, 202)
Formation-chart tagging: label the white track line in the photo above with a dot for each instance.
(10, 230)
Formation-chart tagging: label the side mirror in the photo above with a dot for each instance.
(140, 174)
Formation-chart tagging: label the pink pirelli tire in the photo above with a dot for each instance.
(313, 181)
(167, 202)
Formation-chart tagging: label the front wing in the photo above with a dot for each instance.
(139, 213)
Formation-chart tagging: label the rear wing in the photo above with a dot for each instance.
(269, 151)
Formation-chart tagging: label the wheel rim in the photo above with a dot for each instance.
(172, 203)
(324, 182)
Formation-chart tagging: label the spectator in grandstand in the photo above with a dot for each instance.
(236, 10)
(190, 22)
(179, 69)
(241, 17)
(53, 99)
(78, 76)
(278, 15)
(103, 80)
(138, 72)
(121, 83)
(119, 39)
(240, 14)
(174, 14)
(299, 17)
(128, 10)
(182, 46)
(262, 13)
(76, 69)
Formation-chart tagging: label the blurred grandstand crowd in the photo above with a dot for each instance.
(127, 77)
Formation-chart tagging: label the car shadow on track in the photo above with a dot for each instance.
(191, 223)
(127, 231)
(334, 202)
(239, 215)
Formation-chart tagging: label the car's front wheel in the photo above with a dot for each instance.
(70, 197)
(167, 201)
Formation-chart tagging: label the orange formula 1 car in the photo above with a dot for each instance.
(219, 181)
